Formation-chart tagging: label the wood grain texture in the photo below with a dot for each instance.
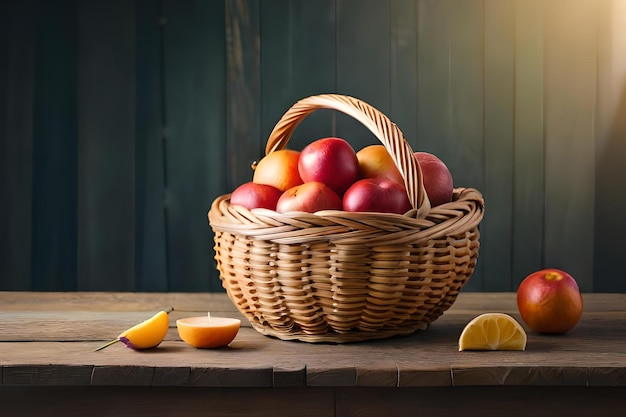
(121, 122)
(17, 45)
(49, 375)
(593, 354)
(450, 93)
(463, 150)
(403, 68)
(196, 147)
(151, 266)
(150, 401)
(499, 94)
(362, 62)
(243, 140)
(610, 147)
(55, 199)
(289, 376)
(111, 301)
(471, 401)
(529, 155)
(106, 130)
(297, 61)
(570, 89)
(479, 401)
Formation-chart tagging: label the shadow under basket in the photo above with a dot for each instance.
(337, 276)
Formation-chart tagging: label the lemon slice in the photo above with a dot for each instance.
(145, 335)
(493, 331)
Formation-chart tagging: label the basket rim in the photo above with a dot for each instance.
(308, 276)
(464, 213)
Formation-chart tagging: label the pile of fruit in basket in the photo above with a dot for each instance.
(328, 174)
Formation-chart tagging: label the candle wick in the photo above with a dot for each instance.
(209, 314)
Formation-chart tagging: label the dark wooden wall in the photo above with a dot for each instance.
(120, 122)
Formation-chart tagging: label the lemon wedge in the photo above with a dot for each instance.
(493, 331)
(145, 335)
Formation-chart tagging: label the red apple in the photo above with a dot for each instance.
(252, 195)
(549, 301)
(437, 178)
(375, 162)
(279, 169)
(376, 195)
(331, 161)
(309, 197)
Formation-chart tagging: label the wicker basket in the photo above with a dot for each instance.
(341, 277)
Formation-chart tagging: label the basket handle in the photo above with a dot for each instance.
(384, 129)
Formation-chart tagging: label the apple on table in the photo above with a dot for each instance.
(549, 301)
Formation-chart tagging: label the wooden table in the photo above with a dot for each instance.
(48, 365)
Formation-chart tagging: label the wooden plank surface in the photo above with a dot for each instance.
(593, 354)
(481, 402)
(167, 401)
(311, 402)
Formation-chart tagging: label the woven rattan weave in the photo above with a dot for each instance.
(337, 276)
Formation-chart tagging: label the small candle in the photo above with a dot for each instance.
(207, 331)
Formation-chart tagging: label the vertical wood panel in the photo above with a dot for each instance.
(610, 149)
(8, 277)
(465, 148)
(464, 152)
(403, 68)
(55, 149)
(363, 57)
(570, 89)
(433, 92)
(195, 134)
(17, 62)
(243, 91)
(528, 175)
(150, 244)
(496, 237)
(450, 93)
(106, 99)
(523, 99)
(297, 61)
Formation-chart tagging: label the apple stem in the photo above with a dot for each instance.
(553, 276)
(107, 344)
(169, 310)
